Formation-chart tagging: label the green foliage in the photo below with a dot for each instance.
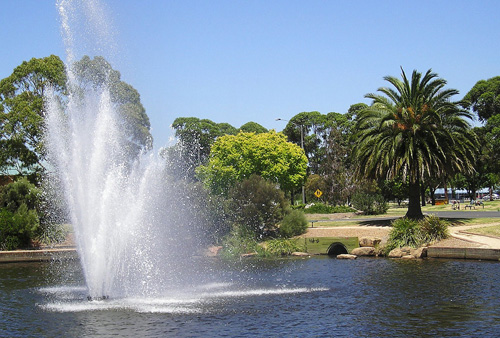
(239, 241)
(404, 232)
(313, 183)
(17, 193)
(433, 228)
(370, 203)
(22, 110)
(19, 220)
(253, 127)
(413, 233)
(257, 205)
(196, 137)
(97, 72)
(236, 157)
(282, 247)
(416, 131)
(484, 98)
(293, 224)
(22, 107)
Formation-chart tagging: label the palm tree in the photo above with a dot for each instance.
(415, 130)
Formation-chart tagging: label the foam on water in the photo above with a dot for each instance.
(184, 303)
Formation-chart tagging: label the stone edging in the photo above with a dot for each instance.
(43, 255)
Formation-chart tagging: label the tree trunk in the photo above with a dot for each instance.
(414, 207)
(446, 200)
(422, 194)
(433, 197)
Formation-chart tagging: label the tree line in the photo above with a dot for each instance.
(412, 138)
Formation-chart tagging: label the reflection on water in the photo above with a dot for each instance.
(289, 298)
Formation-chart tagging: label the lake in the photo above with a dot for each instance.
(306, 297)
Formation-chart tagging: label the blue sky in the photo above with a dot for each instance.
(239, 61)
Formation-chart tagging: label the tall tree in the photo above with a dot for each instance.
(97, 72)
(484, 98)
(253, 127)
(413, 130)
(308, 128)
(22, 112)
(196, 137)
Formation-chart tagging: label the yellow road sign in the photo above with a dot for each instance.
(318, 193)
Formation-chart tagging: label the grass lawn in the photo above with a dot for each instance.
(400, 211)
(493, 230)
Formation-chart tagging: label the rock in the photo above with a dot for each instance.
(408, 257)
(369, 241)
(364, 251)
(248, 255)
(300, 254)
(396, 253)
(213, 251)
(419, 253)
(346, 256)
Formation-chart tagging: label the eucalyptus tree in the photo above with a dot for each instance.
(484, 98)
(253, 127)
(413, 129)
(22, 112)
(307, 129)
(98, 72)
(195, 138)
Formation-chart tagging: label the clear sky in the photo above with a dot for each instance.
(239, 61)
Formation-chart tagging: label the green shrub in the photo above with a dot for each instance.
(413, 233)
(258, 205)
(404, 232)
(370, 203)
(17, 228)
(282, 247)
(240, 240)
(293, 224)
(433, 229)
(19, 220)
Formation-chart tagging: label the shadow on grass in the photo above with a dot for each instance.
(388, 222)
(377, 222)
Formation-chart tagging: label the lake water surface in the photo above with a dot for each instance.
(310, 297)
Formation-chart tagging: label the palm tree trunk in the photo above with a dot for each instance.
(414, 207)
(422, 194)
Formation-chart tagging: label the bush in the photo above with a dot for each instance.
(404, 232)
(433, 229)
(239, 241)
(17, 228)
(413, 233)
(282, 247)
(19, 220)
(293, 224)
(258, 205)
(370, 204)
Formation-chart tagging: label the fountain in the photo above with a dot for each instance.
(117, 202)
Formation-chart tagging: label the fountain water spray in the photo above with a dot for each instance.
(117, 201)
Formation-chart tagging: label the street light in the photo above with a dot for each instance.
(302, 146)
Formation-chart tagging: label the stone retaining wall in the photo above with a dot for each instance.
(464, 253)
(37, 255)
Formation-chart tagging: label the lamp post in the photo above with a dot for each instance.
(302, 146)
